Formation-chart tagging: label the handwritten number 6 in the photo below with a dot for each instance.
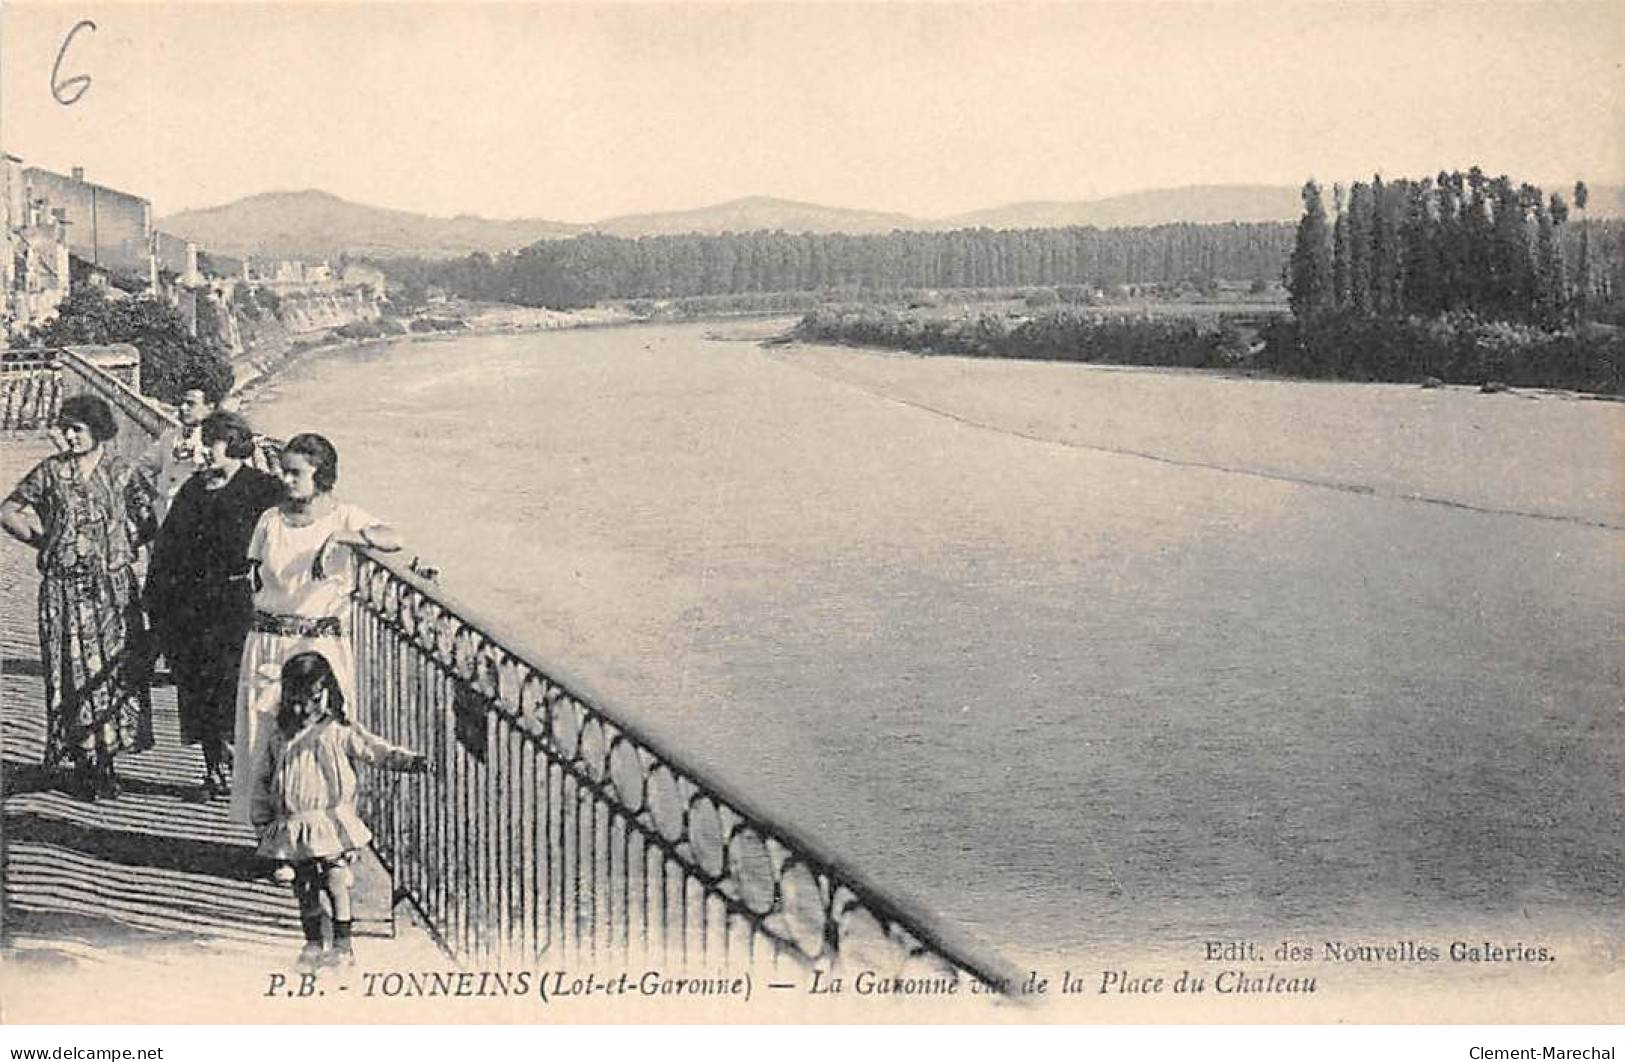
(68, 92)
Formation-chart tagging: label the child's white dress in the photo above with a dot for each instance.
(305, 787)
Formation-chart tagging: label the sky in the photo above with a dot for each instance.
(582, 112)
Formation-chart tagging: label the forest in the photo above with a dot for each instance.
(1460, 278)
(1457, 243)
(570, 273)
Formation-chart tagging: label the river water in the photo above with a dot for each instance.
(1088, 661)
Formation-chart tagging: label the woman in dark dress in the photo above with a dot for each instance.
(198, 592)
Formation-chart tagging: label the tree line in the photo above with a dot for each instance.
(579, 271)
(1455, 243)
(1460, 278)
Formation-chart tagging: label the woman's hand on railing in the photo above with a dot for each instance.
(380, 537)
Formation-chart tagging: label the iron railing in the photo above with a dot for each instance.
(552, 827)
(29, 389)
(553, 830)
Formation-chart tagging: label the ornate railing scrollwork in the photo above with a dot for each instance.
(637, 851)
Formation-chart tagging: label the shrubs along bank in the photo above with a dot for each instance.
(1054, 335)
(1454, 348)
(385, 327)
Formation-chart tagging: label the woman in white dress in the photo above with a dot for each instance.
(299, 555)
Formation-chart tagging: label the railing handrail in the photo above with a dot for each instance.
(152, 417)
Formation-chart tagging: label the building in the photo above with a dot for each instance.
(177, 257)
(35, 270)
(216, 266)
(106, 227)
(362, 275)
(13, 204)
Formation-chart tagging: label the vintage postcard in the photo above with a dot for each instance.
(813, 512)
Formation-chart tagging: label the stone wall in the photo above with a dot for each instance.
(259, 338)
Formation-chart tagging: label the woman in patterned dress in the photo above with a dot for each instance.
(85, 511)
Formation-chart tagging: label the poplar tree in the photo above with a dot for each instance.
(1422, 284)
(1309, 277)
(1508, 284)
(1549, 262)
(1582, 271)
(1451, 241)
(1340, 251)
(1388, 202)
(1359, 239)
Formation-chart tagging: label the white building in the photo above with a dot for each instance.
(35, 271)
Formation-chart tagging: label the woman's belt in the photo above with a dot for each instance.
(297, 626)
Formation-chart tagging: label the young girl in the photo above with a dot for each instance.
(304, 799)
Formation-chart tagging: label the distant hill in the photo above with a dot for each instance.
(317, 225)
(1200, 204)
(754, 214)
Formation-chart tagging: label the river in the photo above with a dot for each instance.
(1090, 661)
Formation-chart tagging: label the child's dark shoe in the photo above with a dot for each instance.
(81, 783)
(107, 783)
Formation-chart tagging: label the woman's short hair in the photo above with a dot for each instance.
(211, 383)
(320, 453)
(304, 675)
(90, 411)
(231, 429)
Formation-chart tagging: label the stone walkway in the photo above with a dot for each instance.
(154, 877)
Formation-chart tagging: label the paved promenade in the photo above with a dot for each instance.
(150, 879)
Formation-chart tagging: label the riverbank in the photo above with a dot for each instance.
(497, 319)
(477, 320)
